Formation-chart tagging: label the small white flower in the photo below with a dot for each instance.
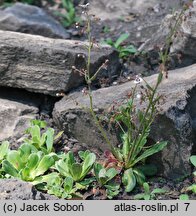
(138, 80)
(138, 96)
(84, 6)
(115, 83)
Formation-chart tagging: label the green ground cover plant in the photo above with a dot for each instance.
(149, 195)
(123, 49)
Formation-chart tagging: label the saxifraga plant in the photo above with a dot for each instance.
(28, 164)
(134, 121)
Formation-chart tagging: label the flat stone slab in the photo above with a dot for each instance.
(44, 65)
(175, 123)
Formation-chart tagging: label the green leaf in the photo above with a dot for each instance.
(129, 180)
(76, 171)
(68, 184)
(46, 162)
(9, 168)
(42, 140)
(120, 40)
(33, 161)
(111, 173)
(158, 191)
(88, 163)
(63, 169)
(146, 188)
(4, 148)
(70, 158)
(147, 197)
(109, 41)
(139, 196)
(41, 124)
(87, 181)
(192, 188)
(184, 197)
(35, 132)
(154, 149)
(140, 177)
(25, 150)
(15, 159)
(25, 174)
(126, 145)
(112, 193)
(97, 168)
(83, 154)
(45, 178)
(49, 139)
(193, 160)
(129, 50)
(160, 77)
(58, 135)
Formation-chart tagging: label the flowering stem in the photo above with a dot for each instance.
(89, 80)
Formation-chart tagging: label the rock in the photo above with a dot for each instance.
(15, 118)
(184, 43)
(114, 9)
(14, 189)
(44, 65)
(174, 123)
(138, 18)
(32, 20)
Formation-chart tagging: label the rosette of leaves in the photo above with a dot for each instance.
(149, 195)
(69, 167)
(28, 164)
(105, 178)
(62, 188)
(40, 137)
(135, 126)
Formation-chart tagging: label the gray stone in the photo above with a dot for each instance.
(184, 42)
(32, 20)
(174, 123)
(44, 65)
(15, 118)
(114, 9)
(14, 189)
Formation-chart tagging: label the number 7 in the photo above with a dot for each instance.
(187, 205)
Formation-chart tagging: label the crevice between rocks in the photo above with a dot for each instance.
(45, 103)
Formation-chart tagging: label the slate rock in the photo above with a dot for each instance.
(183, 44)
(175, 123)
(15, 189)
(32, 20)
(44, 65)
(114, 9)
